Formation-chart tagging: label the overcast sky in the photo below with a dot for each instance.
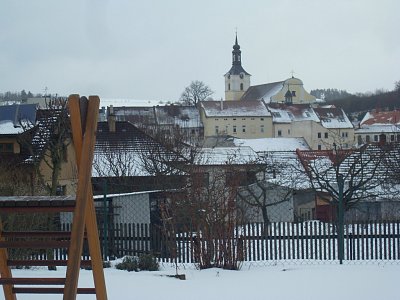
(153, 49)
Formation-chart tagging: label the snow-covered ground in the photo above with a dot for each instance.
(301, 281)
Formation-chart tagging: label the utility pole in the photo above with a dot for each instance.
(340, 182)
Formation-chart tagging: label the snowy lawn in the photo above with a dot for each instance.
(366, 281)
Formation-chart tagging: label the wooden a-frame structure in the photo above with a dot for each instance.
(84, 115)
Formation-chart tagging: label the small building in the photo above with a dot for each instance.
(379, 125)
(242, 119)
(321, 127)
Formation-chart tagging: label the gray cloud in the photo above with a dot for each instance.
(153, 49)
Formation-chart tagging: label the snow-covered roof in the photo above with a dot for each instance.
(381, 118)
(226, 156)
(9, 128)
(183, 116)
(105, 102)
(378, 128)
(249, 108)
(263, 91)
(282, 113)
(273, 144)
(333, 117)
(16, 118)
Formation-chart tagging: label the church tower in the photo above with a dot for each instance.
(237, 80)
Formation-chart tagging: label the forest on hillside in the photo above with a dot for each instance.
(358, 104)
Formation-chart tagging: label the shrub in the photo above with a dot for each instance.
(145, 262)
(148, 262)
(129, 263)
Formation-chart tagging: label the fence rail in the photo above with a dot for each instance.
(311, 240)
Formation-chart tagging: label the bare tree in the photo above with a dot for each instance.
(204, 205)
(347, 175)
(194, 93)
(206, 209)
(49, 144)
(116, 160)
(274, 190)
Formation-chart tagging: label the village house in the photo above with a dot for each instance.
(250, 119)
(29, 138)
(379, 125)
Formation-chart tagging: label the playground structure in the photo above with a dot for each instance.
(83, 115)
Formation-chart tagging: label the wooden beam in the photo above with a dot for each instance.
(78, 109)
(5, 271)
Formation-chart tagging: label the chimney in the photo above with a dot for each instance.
(111, 119)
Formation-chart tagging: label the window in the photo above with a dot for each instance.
(319, 147)
(193, 131)
(376, 138)
(262, 128)
(234, 119)
(243, 119)
(326, 135)
(368, 139)
(345, 134)
(7, 147)
(61, 190)
(241, 86)
(288, 131)
(307, 114)
(294, 93)
(234, 129)
(252, 118)
(279, 132)
(359, 140)
(244, 128)
(229, 87)
(392, 137)
(216, 129)
(216, 119)
(276, 114)
(262, 119)
(319, 135)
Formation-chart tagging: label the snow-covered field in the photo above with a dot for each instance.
(360, 280)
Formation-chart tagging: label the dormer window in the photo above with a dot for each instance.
(276, 114)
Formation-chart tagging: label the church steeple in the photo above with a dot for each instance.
(236, 53)
(237, 80)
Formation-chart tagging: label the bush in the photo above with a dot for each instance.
(148, 262)
(129, 263)
(145, 262)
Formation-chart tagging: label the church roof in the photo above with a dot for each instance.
(262, 91)
(381, 118)
(236, 70)
(238, 108)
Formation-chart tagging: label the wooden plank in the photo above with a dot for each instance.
(90, 215)
(37, 234)
(33, 281)
(36, 244)
(44, 262)
(38, 290)
(5, 271)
